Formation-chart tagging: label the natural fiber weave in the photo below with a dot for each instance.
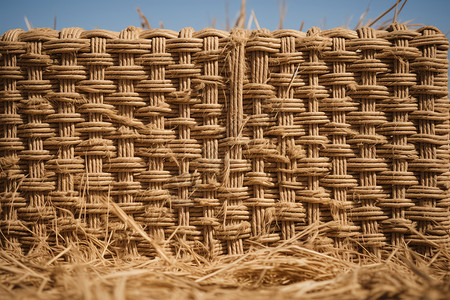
(216, 141)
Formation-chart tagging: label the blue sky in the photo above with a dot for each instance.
(175, 14)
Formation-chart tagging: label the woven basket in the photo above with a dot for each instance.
(216, 141)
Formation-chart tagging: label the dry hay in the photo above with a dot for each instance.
(293, 270)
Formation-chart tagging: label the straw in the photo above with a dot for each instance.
(144, 22)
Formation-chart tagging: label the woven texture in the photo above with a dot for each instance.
(215, 141)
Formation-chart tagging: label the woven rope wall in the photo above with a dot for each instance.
(216, 141)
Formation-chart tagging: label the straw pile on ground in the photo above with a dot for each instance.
(292, 270)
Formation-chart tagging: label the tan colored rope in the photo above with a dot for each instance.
(214, 142)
